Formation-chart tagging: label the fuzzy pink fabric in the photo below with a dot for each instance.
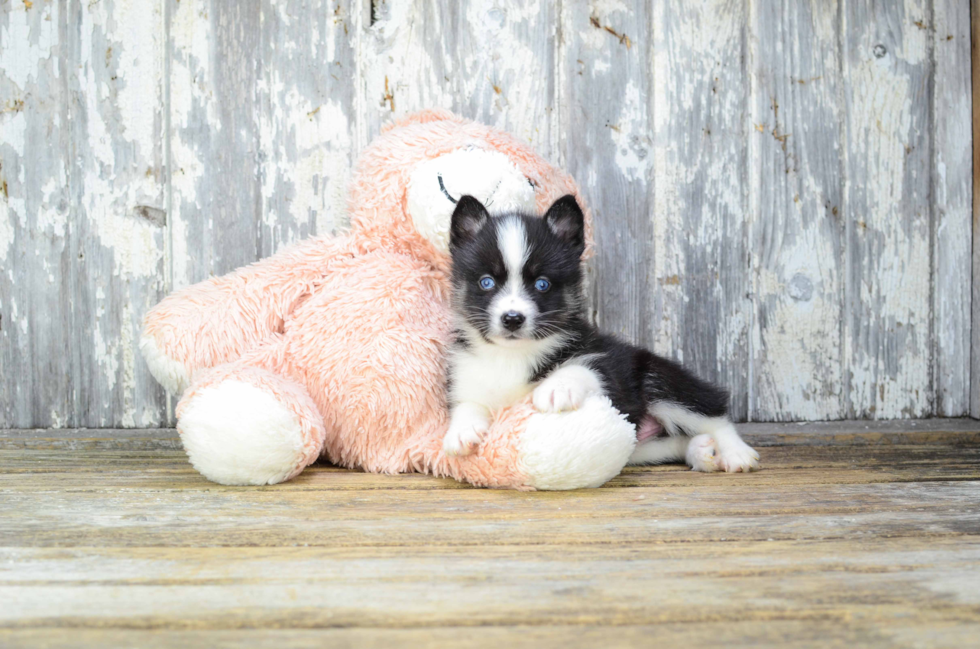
(350, 332)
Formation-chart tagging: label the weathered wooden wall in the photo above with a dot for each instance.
(782, 191)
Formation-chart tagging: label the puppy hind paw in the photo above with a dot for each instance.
(702, 454)
(739, 459)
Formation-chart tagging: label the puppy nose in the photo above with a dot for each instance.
(512, 320)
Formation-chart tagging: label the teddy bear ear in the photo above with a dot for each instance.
(423, 116)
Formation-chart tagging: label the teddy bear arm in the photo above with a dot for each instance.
(219, 319)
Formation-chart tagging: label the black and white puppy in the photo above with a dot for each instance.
(517, 292)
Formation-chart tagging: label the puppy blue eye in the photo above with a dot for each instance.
(542, 284)
(487, 283)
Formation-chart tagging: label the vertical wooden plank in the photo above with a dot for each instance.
(795, 210)
(975, 330)
(951, 172)
(37, 379)
(489, 61)
(606, 124)
(507, 75)
(702, 314)
(306, 102)
(407, 61)
(118, 205)
(262, 99)
(888, 332)
(215, 176)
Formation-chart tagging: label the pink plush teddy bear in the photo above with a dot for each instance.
(335, 347)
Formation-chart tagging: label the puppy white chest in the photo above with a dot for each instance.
(490, 379)
(494, 376)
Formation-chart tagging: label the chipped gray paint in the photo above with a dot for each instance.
(782, 193)
(795, 213)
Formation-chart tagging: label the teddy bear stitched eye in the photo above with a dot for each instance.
(487, 283)
(542, 285)
(445, 192)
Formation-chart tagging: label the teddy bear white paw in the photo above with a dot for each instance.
(566, 389)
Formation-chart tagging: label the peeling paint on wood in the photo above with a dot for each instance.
(795, 217)
(116, 87)
(37, 377)
(608, 144)
(782, 194)
(950, 180)
(491, 61)
(888, 327)
(975, 319)
(701, 97)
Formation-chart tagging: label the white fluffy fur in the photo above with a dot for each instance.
(470, 422)
(660, 450)
(732, 454)
(496, 375)
(702, 454)
(512, 242)
(487, 175)
(566, 388)
(171, 374)
(486, 377)
(576, 451)
(237, 434)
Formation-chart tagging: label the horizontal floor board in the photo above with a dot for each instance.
(107, 540)
(848, 433)
(311, 587)
(483, 517)
(815, 633)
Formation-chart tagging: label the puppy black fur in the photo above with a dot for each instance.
(634, 379)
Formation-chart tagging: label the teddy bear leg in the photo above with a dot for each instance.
(243, 425)
(580, 449)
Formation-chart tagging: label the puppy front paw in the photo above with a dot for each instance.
(463, 437)
(558, 396)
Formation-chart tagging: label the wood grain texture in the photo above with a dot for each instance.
(796, 223)
(306, 118)
(117, 182)
(837, 633)
(888, 259)
(215, 162)
(782, 193)
(975, 329)
(36, 302)
(489, 61)
(950, 193)
(704, 308)
(874, 545)
(547, 585)
(83, 183)
(608, 124)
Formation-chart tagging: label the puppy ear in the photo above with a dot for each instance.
(469, 217)
(566, 220)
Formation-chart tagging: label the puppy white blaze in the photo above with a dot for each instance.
(512, 243)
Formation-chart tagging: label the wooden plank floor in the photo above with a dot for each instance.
(852, 535)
